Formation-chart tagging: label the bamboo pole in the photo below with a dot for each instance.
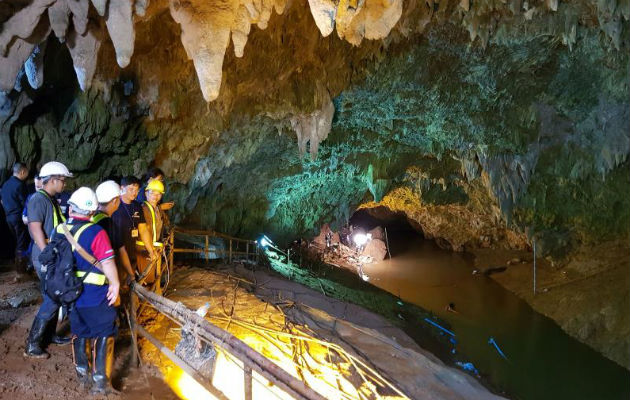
(182, 364)
(171, 253)
(213, 334)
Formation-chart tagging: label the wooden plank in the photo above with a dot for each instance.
(230, 343)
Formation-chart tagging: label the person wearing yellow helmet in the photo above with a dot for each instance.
(154, 216)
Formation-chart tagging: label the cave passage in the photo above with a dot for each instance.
(543, 362)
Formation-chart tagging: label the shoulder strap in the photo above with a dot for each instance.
(57, 214)
(87, 256)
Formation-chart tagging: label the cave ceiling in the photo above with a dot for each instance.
(282, 115)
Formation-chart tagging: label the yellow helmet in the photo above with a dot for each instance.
(155, 185)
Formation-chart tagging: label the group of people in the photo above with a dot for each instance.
(117, 231)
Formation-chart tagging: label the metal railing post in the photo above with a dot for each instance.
(247, 375)
(534, 266)
(205, 250)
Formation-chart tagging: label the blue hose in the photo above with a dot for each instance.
(496, 346)
(439, 327)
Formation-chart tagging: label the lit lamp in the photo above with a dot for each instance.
(360, 239)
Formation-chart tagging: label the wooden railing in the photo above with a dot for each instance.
(236, 248)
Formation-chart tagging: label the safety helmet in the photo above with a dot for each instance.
(107, 191)
(155, 186)
(54, 168)
(84, 199)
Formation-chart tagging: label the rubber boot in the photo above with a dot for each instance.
(21, 273)
(103, 353)
(81, 355)
(34, 341)
(52, 332)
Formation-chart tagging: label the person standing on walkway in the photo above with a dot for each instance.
(13, 199)
(44, 215)
(93, 315)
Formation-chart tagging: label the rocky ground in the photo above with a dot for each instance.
(54, 378)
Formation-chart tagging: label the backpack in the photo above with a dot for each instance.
(57, 259)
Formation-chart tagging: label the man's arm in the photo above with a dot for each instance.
(146, 238)
(167, 206)
(37, 233)
(109, 269)
(124, 260)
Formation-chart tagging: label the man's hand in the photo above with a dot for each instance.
(167, 206)
(112, 293)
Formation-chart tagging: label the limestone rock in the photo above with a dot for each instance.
(84, 53)
(100, 6)
(324, 13)
(34, 66)
(79, 10)
(19, 52)
(141, 7)
(59, 16)
(121, 30)
(376, 249)
(240, 30)
(22, 24)
(371, 19)
(205, 36)
(313, 127)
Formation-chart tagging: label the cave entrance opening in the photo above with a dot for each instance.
(489, 322)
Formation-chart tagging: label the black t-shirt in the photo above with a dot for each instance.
(105, 222)
(126, 219)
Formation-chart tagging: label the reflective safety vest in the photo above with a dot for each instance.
(58, 217)
(93, 278)
(96, 218)
(153, 226)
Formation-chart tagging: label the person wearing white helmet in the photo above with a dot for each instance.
(93, 317)
(108, 195)
(44, 215)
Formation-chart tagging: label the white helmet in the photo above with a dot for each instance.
(54, 168)
(107, 191)
(84, 199)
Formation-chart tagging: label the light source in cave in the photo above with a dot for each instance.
(330, 379)
(360, 239)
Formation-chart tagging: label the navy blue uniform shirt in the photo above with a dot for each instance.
(14, 197)
(125, 220)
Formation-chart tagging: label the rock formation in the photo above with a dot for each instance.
(489, 124)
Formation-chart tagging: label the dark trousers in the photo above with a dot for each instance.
(49, 308)
(94, 322)
(20, 233)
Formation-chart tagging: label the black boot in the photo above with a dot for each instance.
(52, 330)
(82, 354)
(34, 341)
(103, 362)
(21, 273)
(60, 340)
